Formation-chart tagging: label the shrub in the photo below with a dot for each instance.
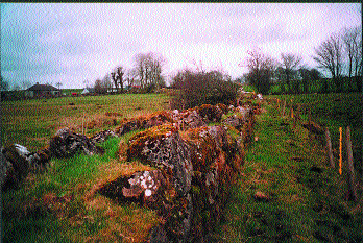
(196, 88)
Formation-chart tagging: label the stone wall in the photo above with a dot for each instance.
(195, 164)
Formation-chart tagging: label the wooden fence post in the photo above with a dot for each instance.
(297, 113)
(283, 108)
(340, 150)
(351, 172)
(329, 147)
(82, 122)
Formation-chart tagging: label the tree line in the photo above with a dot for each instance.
(340, 56)
(145, 76)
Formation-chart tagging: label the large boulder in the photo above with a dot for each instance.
(189, 119)
(162, 147)
(127, 126)
(66, 143)
(187, 186)
(15, 165)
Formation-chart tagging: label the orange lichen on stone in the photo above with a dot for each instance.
(101, 122)
(152, 137)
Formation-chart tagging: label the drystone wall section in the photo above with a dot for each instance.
(194, 166)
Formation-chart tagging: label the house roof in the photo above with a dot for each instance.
(42, 87)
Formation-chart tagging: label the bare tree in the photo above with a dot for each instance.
(308, 76)
(290, 64)
(329, 57)
(130, 77)
(352, 47)
(102, 85)
(261, 69)
(349, 36)
(107, 83)
(115, 80)
(120, 74)
(118, 78)
(149, 69)
(357, 57)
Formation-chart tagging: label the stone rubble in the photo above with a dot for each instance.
(17, 161)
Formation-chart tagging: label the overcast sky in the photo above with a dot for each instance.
(71, 42)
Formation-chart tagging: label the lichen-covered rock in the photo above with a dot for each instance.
(16, 165)
(39, 159)
(146, 183)
(189, 119)
(102, 136)
(234, 121)
(66, 143)
(163, 148)
(210, 113)
(156, 119)
(127, 126)
(144, 122)
(194, 169)
(223, 108)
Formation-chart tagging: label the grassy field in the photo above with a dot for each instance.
(334, 111)
(286, 193)
(32, 122)
(61, 205)
(302, 199)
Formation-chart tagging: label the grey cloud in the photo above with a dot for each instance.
(241, 35)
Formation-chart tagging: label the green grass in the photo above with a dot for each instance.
(70, 91)
(306, 197)
(33, 122)
(325, 85)
(88, 216)
(27, 219)
(334, 111)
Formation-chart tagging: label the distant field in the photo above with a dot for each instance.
(32, 122)
(70, 91)
(86, 216)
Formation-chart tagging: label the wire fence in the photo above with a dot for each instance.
(345, 164)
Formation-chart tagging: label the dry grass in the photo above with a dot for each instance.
(23, 121)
